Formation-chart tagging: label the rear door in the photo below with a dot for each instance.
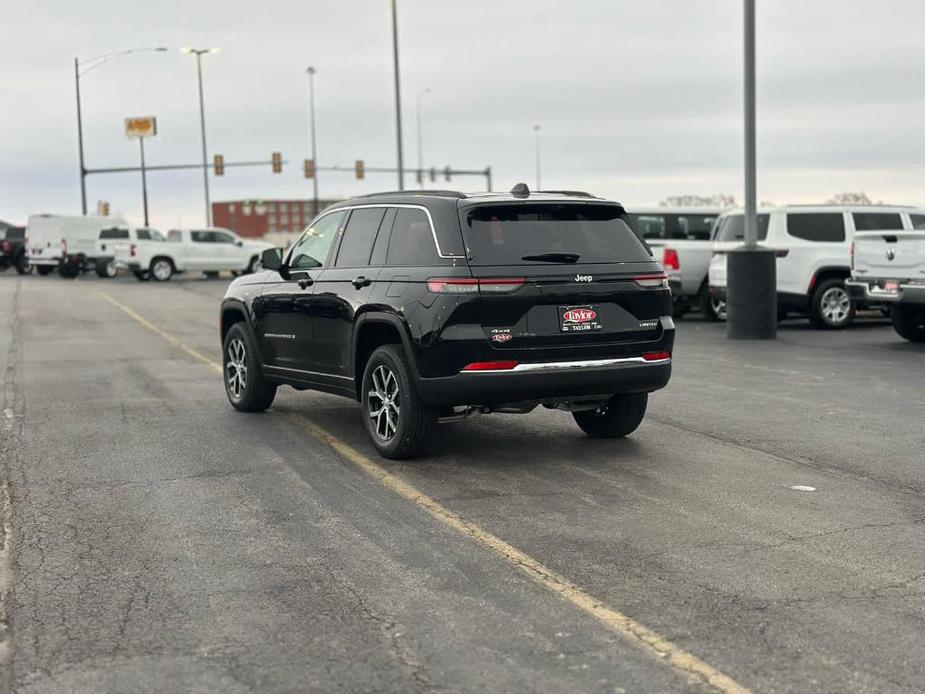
(343, 288)
(561, 275)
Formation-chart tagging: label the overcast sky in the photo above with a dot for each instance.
(637, 99)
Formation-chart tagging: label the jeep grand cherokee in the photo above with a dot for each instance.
(433, 306)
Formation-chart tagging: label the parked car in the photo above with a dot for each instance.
(813, 244)
(209, 250)
(889, 267)
(682, 239)
(132, 248)
(13, 249)
(434, 306)
(68, 244)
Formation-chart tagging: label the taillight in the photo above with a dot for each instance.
(7, 246)
(656, 356)
(472, 285)
(652, 281)
(670, 260)
(132, 249)
(491, 366)
(852, 255)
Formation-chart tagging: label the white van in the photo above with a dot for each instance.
(813, 245)
(69, 244)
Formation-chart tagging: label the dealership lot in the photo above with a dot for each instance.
(161, 540)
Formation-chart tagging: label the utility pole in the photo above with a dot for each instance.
(401, 163)
(144, 179)
(310, 71)
(536, 144)
(199, 52)
(421, 95)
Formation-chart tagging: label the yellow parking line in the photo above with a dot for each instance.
(153, 328)
(618, 622)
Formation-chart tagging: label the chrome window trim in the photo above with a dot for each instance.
(583, 364)
(430, 220)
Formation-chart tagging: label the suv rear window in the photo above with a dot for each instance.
(525, 234)
(695, 227)
(113, 234)
(823, 227)
(15, 234)
(732, 228)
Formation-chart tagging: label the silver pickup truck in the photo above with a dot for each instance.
(889, 267)
(680, 237)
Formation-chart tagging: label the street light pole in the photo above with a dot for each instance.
(311, 107)
(144, 179)
(751, 270)
(199, 52)
(92, 64)
(401, 163)
(420, 145)
(536, 144)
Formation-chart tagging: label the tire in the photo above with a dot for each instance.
(619, 417)
(142, 275)
(400, 425)
(106, 270)
(247, 388)
(161, 269)
(44, 270)
(706, 304)
(831, 307)
(23, 266)
(909, 322)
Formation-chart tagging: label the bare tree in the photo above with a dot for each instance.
(718, 200)
(849, 199)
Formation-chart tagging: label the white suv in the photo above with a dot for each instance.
(813, 245)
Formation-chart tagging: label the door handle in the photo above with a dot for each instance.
(362, 282)
(304, 284)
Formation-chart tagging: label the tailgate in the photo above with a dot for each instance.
(889, 254)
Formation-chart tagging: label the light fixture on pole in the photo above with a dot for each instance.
(401, 161)
(81, 68)
(199, 52)
(421, 95)
(310, 71)
(536, 146)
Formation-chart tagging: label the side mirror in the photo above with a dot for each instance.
(239, 243)
(272, 259)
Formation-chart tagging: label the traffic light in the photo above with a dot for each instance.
(360, 169)
(219, 165)
(277, 162)
(446, 173)
(309, 168)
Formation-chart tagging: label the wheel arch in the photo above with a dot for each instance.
(232, 311)
(828, 272)
(372, 330)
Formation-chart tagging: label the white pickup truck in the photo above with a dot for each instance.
(150, 255)
(680, 237)
(889, 267)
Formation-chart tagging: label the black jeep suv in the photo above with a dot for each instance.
(434, 306)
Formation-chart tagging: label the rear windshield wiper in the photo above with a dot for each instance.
(553, 257)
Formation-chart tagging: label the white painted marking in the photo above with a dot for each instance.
(802, 488)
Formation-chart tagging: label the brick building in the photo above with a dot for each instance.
(260, 217)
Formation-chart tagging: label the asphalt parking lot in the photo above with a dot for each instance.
(160, 541)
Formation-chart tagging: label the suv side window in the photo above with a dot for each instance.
(875, 221)
(651, 226)
(918, 221)
(359, 236)
(222, 237)
(412, 241)
(201, 236)
(311, 251)
(822, 227)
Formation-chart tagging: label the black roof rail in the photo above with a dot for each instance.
(571, 193)
(432, 193)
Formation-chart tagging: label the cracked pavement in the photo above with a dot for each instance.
(163, 542)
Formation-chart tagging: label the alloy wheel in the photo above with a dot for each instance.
(719, 308)
(236, 368)
(161, 269)
(382, 402)
(835, 305)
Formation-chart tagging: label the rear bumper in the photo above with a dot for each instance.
(548, 382)
(860, 290)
